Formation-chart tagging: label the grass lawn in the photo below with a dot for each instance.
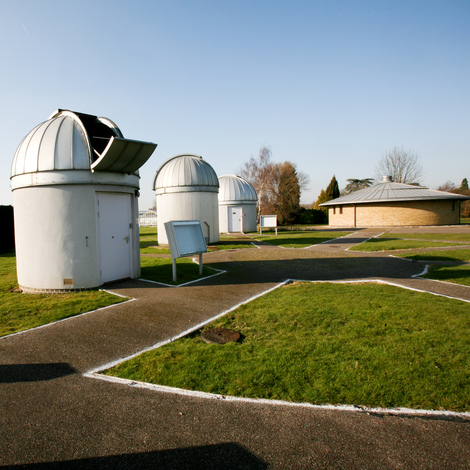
(445, 255)
(389, 244)
(24, 311)
(362, 344)
(455, 274)
(149, 243)
(300, 239)
(458, 237)
(160, 270)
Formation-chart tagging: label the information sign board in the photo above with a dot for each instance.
(185, 238)
(268, 221)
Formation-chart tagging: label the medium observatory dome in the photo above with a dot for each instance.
(236, 190)
(185, 173)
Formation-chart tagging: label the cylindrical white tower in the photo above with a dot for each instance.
(75, 185)
(186, 188)
(237, 205)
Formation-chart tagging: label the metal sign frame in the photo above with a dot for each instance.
(268, 221)
(185, 238)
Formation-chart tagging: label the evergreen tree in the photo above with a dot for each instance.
(321, 199)
(465, 205)
(332, 191)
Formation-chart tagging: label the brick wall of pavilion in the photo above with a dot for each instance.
(441, 212)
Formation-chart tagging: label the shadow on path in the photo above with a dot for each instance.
(216, 457)
(12, 373)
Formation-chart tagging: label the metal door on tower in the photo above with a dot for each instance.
(235, 219)
(115, 236)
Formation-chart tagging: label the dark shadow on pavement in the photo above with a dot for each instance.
(215, 457)
(12, 373)
(309, 268)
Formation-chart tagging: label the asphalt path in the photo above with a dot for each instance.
(55, 414)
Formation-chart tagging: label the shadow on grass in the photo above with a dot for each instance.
(431, 257)
(294, 242)
(454, 274)
(241, 272)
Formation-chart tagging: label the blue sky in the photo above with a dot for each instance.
(327, 85)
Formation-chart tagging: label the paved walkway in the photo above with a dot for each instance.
(53, 416)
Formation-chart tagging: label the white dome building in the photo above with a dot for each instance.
(75, 185)
(186, 188)
(237, 205)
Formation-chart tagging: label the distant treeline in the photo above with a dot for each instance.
(311, 216)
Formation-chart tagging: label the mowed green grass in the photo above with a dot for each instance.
(149, 243)
(438, 255)
(359, 344)
(300, 239)
(20, 312)
(457, 237)
(456, 274)
(408, 241)
(161, 270)
(390, 244)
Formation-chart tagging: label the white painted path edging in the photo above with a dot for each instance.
(95, 373)
(74, 316)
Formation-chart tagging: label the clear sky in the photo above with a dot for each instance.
(327, 85)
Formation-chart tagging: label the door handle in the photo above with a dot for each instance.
(127, 239)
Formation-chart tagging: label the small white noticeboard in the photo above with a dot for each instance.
(185, 238)
(268, 221)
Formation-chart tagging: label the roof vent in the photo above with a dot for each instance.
(387, 179)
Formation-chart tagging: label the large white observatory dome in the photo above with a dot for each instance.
(75, 185)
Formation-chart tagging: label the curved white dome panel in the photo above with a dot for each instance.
(235, 189)
(57, 144)
(186, 171)
(77, 141)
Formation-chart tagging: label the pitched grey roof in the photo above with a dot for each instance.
(387, 191)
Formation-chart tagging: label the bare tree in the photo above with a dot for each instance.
(402, 165)
(448, 186)
(259, 172)
(269, 178)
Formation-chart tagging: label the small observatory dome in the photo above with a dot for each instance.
(237, 205)
(75, 184)
(186, 188)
